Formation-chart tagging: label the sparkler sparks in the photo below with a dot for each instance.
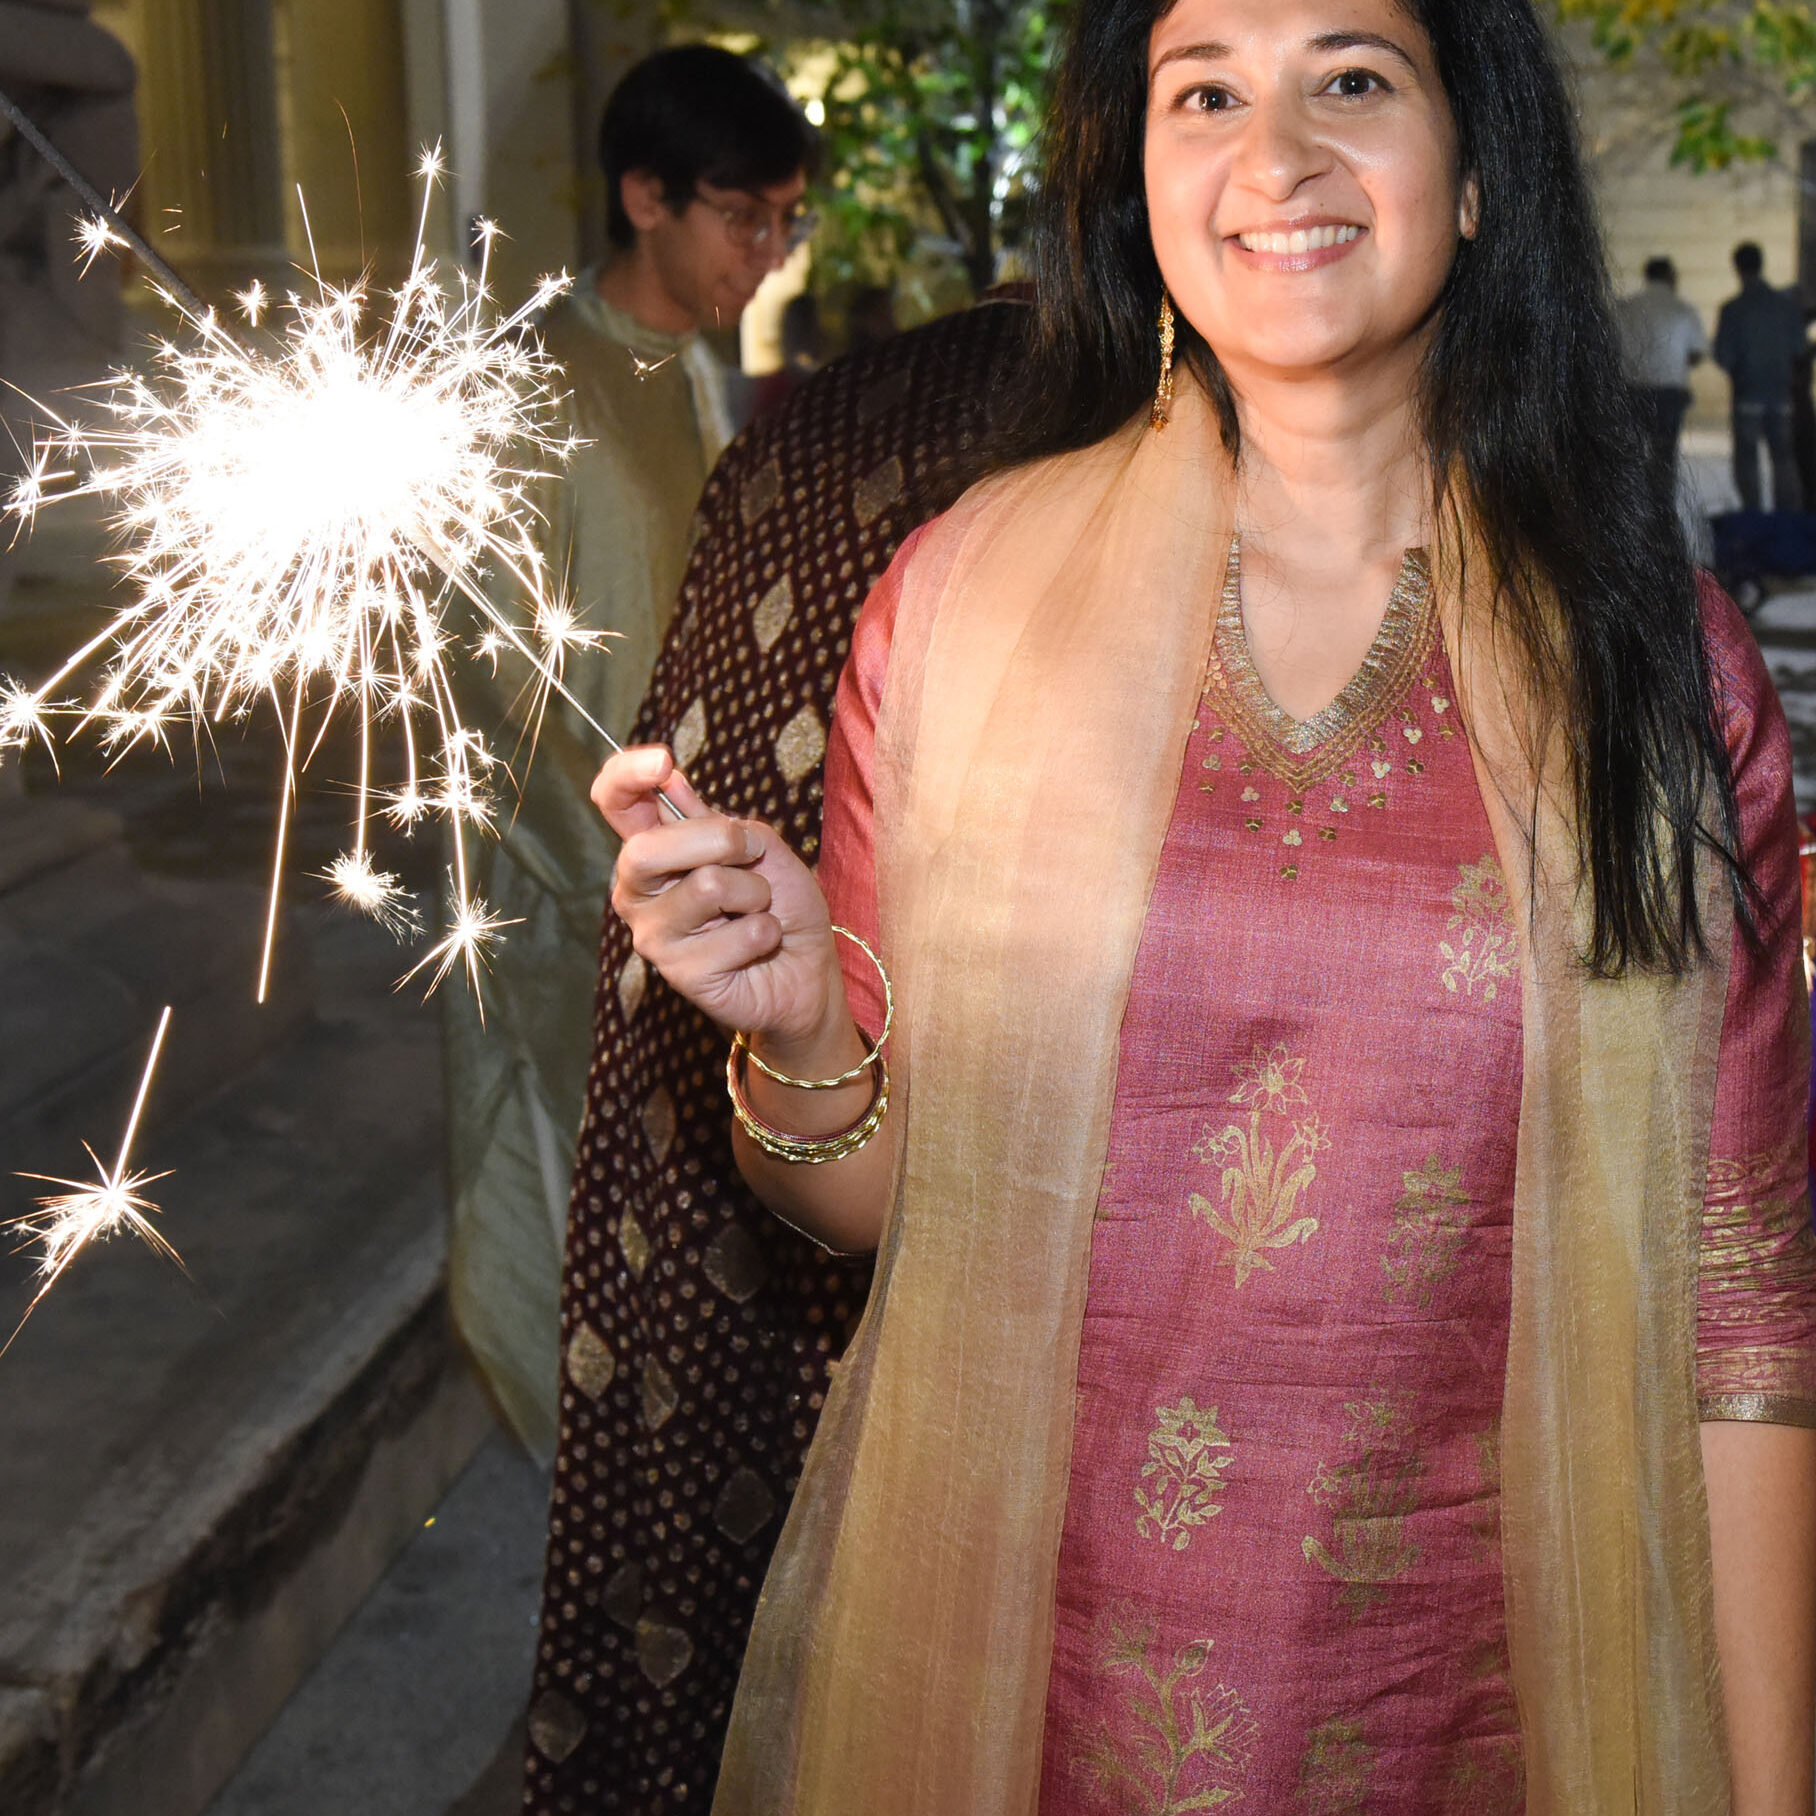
(307, 518)
(95, 236)
(375, 893)
(65, 1223)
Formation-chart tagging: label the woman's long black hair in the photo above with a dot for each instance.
(1525, 413)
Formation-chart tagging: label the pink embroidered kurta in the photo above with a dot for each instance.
(1280, 1577)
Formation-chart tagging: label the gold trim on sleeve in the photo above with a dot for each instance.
(1758, 1409)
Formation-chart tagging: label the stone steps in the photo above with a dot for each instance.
(200, 1480)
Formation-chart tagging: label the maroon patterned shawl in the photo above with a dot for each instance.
(696, 1329)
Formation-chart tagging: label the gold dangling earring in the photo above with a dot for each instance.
(1163, 392)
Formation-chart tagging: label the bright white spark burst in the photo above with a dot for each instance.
(360, 884)
(302, 518)
(94, 236)
(65, 1223)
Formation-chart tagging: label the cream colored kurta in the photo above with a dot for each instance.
(651, 408)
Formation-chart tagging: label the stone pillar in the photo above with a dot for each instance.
(346, 142)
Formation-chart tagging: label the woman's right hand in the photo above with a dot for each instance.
(724, 910)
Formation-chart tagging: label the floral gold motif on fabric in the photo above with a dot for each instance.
(1183, 1474)
(1487, 1778)
(1482, 950)
(1368, 1500)
(1176, 1743)
(1267, 1164)
(1430, 1227)
(1334, 1773)
(1303, 752)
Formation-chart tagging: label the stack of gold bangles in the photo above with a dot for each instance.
(816, 1150)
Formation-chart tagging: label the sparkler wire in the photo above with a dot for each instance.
(29, 130)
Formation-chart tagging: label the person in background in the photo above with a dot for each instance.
(706, 162)
(1662, 338)
(1758, 337)
(803, 352)
(697, 1331)
(870, 317)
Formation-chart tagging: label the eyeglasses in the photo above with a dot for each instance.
(754, 226)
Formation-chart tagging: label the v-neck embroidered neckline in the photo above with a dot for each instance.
(1303, 751)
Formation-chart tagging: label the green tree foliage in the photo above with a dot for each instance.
(933, 108)
(1741, 73)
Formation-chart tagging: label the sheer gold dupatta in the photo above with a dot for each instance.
(1604, 1519)
(1049, 652)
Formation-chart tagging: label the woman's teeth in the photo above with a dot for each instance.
(1301, 239)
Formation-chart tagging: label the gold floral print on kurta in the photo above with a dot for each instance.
(1758, 1260)
(1188, 1452)
(1487, 1778)
(1177, 1743)
(1368, 1499)
(1481, 952)
(1267, 1165)
(1430, 1227)
(1335, 1772)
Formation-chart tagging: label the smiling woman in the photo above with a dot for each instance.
(1345, 1323)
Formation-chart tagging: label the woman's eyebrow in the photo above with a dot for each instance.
(1335, 41)
(1209, 52)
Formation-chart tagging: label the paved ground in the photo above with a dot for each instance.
(414, 1711)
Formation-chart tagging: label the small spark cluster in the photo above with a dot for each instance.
(65, 1223)
(306, 518)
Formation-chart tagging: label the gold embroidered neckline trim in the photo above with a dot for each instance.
(1302, 752)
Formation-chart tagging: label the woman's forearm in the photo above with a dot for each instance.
(1762, 1534)
(841, 1203)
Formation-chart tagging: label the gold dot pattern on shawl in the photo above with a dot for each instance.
(690, 735)
(773, 611)
(590, 1362)
(741, 1317)
(735, 1265)
(744, 1507)
(659, 1122)
(633, 1244)
(877, 491)
(633, 980)
(760, 493)
(659, 1396)
(663, 1652)
(556, 1726)
(801, 744)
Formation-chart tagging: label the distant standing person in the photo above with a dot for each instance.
(706, 162)
(1662, 338)
(1758, 336)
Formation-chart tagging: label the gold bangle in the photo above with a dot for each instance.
(806, 1150)
(740, 1042)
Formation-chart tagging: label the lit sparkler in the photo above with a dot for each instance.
(304, 519)
(65, 1223)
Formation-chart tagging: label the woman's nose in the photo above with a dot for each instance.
(1280, 149)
